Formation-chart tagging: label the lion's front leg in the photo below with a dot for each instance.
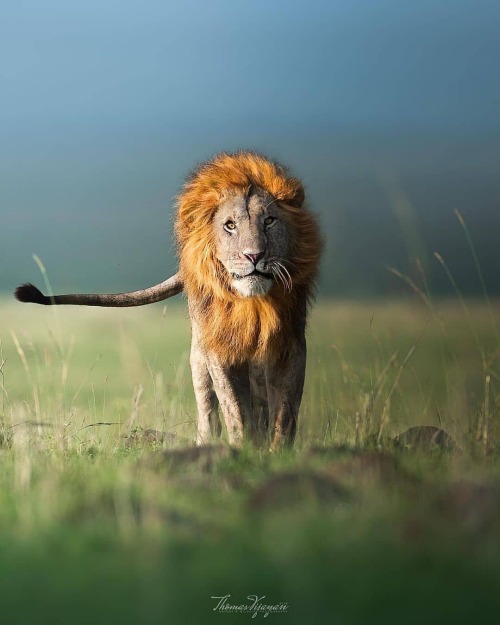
(232, 385)
(259, 426)
(286, 381)
(208, 424)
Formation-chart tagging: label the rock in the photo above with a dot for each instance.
(474, 504)
(204, 458)
(295, 488)
(362, 468)
(360, 462)
(365, 467)
(424, 438)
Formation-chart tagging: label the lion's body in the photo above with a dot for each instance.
(246, 343)
(249, 254)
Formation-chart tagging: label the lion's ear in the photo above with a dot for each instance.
(299, 196)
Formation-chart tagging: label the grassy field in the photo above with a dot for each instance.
(100, 522)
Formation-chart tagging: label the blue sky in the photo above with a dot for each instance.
(106, 105)
(425, 63)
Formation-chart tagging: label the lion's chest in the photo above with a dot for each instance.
(243, 330)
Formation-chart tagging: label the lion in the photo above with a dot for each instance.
(249, 253)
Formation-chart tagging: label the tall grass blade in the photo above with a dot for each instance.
(472, 248)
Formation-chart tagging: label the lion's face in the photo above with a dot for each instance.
(252, 242)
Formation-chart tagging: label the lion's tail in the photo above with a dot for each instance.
(156, 293)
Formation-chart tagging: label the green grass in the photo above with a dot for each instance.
(92, 531)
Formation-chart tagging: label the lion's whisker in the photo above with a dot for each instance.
(287, 273)
(284, 277)
(279, 274)
(275, 271)
(284, 261)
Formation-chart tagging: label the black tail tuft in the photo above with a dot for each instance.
(29, 293)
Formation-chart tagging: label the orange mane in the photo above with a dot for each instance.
(239, 328)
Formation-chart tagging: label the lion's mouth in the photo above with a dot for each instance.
(255, 273)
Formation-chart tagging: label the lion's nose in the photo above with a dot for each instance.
(254, 257)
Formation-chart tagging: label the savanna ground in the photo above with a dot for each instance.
(102, 521)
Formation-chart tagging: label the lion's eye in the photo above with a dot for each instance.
(268, 221)
(229, 226)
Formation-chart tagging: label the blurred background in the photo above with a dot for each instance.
(388, 111)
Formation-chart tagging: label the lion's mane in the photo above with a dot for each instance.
(235, 327)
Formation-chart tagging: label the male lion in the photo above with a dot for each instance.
(249, 254)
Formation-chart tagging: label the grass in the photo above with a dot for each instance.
(92, 530)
